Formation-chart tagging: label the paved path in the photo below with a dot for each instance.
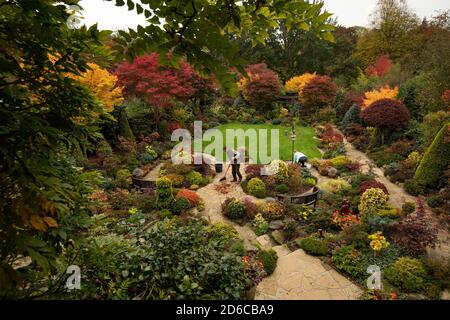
(299, 276)
(154, 173)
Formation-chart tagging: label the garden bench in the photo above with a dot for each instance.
(308, 198)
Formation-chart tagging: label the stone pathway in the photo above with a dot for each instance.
(299, 276)
(154, 173)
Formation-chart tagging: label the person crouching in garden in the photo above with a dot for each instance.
(300, 158)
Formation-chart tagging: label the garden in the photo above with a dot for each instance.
(86, 159)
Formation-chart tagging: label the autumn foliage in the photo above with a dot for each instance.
(386, 114)
(381, 67)
(297, 83)
(262, 86)
(378, 94)
(103, 85)
(161, 86)
(318, 93)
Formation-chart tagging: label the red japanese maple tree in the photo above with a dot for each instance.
(161, 85)
(381, 67)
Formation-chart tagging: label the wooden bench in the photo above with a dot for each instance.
(143, 184)
(308, 198)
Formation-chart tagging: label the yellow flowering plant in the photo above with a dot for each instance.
(378, 242)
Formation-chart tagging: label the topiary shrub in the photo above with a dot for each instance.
(339, 162)
(372, 200)
(180, 205)
(320, 92)
(280, 169)
(408, 207)
(104, 149)
(233, 209)
(435, 201)
(372, 184)
(407, 274)
(351, 117)
(413, 187)
(282, 188)
(334, 185)
(176, 179)
(223, 233)
(269, 260)
(314, 246)
(435, 161)
(194, 177)
(164, 193)
(348, 259)
(123, 178)
(257, 187)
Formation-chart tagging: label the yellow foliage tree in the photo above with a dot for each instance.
(103, 85)
(378, 94)
(297, 83)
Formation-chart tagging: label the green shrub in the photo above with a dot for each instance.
(165, 213)
(348, 259)
(413, 187)
(372, 200)
(356, 235)
(194, 177)
(260, 225)
(334, 185)
(339, 162)
(164, 193)
(269, 260)
(281, 188)
(314, 246)
(407, 274)
(180, 205)
(257, 188)
(435, 161)
(222, 233)
(234, 209)
(408, 207)
(104, 149)
(123, 178)
(435, 201)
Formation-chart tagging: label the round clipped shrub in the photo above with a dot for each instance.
(339, 161)
(104, 149)
(334, 185)
(435, 161)
(269, 260)
(314, 246)
(413, 187)
(348, 259)
(180, 205)
(435, 201)
(123, 178)
(408, 207)
(146, 158)
(272, 210)
(281, 188)
(176, 179)
(372, 200)
(280, 169)
(222, 233)
(164, 193)
(234, 209)
(194, 177)
(257, 187)
(408, 274)
(372, 184)
(165, 213)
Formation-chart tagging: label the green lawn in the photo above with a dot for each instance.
(305, 141)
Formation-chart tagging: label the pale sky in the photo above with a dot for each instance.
(348, 12)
